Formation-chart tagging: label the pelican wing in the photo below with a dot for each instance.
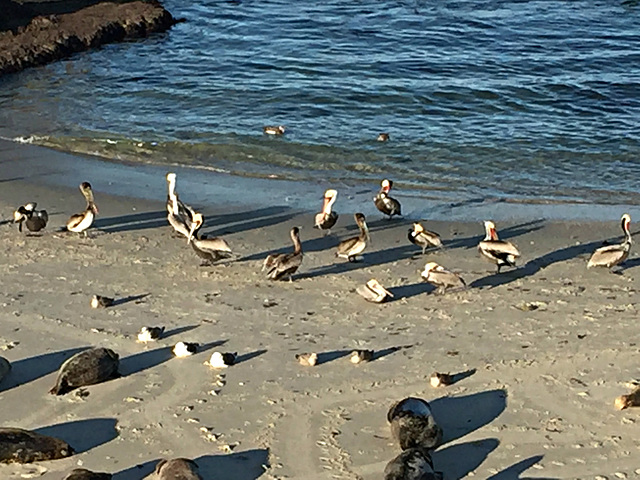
(286, 264)
(445, 279)
(499, 248)
(325, 222)
(351, 246)
(609, 256)
(369, 295)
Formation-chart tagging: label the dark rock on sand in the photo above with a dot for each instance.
(86, 368)
(51, 37)
(24, 446)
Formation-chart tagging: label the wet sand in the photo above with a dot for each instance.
(546, 347)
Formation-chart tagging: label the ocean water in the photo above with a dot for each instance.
(525, 101)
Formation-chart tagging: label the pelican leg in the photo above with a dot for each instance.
(499, 266)
(424, 249)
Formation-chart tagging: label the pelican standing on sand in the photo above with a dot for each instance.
(285, 265)
(209, 249)
(423, 238)
(497, 251)
(80, 222)
(386, 204)
(180, 215)
(611, 255)
(442, 278)
(33, 219)
(326, 219)
(373, 292)
(351, 247)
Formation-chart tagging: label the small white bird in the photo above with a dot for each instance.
(307, 359)
(222, 360)
(360, 356)
(150, 334)
(184, 349)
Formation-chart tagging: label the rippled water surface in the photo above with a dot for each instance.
(526, 100)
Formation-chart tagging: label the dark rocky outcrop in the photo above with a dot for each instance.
(46, 38)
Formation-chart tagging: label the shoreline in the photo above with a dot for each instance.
(550, 344)
(204, 187)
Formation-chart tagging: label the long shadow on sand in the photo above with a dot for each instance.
(534, 266)
(245, 357)
(130, 298)
(459, 416)
(83, 435)
(513, 472)
(246, 465)
(178, 330)
(135, 221)
(152, 358)
(30, 369)
(460, 459)
(326, 357)
(411, 290)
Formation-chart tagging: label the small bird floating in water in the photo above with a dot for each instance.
(423, 238)
(34, 220)
(383, 202)
(283, 265)
(383, 137)
(184, 349)
(274, 129)
(373, 292)
(442, 278)
(326, 219)
(440, 379)
(611, 255)
(98, 301)
(497, 251)
(307, 359)
(150, 334)
(222, 360)
(361, 356)
(354, 246)
(80, 222)
(209, 249)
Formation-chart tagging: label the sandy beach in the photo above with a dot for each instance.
(547, 347)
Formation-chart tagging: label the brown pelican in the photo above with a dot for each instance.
(412, 464)
(361, 356)
(423, 238)
(80, 222)
(438, 276)
(351, 247)
(497, 251)
(307, 359)
(35, 220)
(285, 265)
(612, 255)
(180, 215)
(373, 292)
(209, 249)
(413, 425)
(326, 219)
(386, 204)
(383, 137)
(274, 129)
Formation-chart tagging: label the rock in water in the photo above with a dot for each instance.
(23, 446)
(5, 368)
(412, 464)
(413, 425)
(84, 474)
(86, 368)
(177, 469)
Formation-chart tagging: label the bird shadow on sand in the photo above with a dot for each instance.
(411, 290)
(459, 416)
(513, 472)
(178, 330)
(534, 266)
(135, 221)
(152, 358)
(248, 224)
(83, 435)
(245, 357)
(326, 357)
(247, 465)
(458, 377)
(378, 354)
(30, 369)
(629, 264)
(130, 298)
(460, 459)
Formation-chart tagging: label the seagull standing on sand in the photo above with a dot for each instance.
(80, 222)
(383, 202)
(326, 219)
(497, 251)
(611, 255)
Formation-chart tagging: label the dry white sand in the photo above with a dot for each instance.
(547, 347)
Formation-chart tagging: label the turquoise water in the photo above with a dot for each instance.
(533, 101)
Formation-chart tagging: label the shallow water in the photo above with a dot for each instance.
(533, 101)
